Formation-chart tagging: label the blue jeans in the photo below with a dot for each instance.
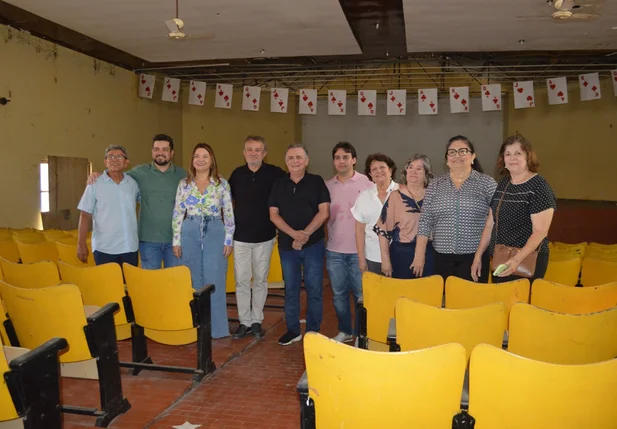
(294, 263)
(153, 254)
(202, 251)
(345, 278)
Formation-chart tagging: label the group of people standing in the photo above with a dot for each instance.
(420, 226)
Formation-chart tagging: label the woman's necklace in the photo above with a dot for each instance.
(413, 197)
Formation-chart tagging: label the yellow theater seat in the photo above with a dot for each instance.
(67, 252)
(34, 275)
(597, 272)
(36, 252)
(513, 392)
(9, 251)
(564, 271)
(100, 285)
(573, 300)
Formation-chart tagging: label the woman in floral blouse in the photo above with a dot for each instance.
(203, 229)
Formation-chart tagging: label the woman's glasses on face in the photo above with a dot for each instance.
(461, 152)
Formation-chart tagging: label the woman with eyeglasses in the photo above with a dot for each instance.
(456, 205)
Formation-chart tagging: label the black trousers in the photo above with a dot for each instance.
(541, 266)
(459, 265)
(101, 258)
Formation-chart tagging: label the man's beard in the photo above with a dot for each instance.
(162, 163)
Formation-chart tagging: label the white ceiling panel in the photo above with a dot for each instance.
(239, 28)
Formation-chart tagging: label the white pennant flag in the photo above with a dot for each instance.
(491, 97)
(397, 102)
(427, 101)
(557, 89)
(278, 100)
(614, 76)
(590, 86)
(337, 102)
(197, 93)
(146, 85)
(307, 105)
(250, 98)
(523, 94)
(171, 90)
(459, 99)
(367, 102)
(224, 93)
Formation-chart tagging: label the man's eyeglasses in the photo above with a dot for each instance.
(116, 157)
(461, 152)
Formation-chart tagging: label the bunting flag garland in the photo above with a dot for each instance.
(459, 99)
(491, 98)
(278, 100)
(250, 98)
(171, 90)
(590, 86)
(307, 105)
(146, 85)
(197, 93)
(557, 89)
(523, 95)
(337, 102)
(367, 102)
(427, 101)
(224, 93)
(397, 102)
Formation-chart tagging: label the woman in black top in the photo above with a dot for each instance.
(525, 213)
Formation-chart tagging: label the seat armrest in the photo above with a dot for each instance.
(205, 290)
(112, 307)
(391, 338)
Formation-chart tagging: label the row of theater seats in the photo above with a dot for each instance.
(91, 307)
(586, 264)
(565, 332)
(355, 388)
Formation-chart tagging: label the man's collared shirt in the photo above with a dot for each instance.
(250, 191)
(341, 224)
(298, 203)
(158, 194)
(112, 206)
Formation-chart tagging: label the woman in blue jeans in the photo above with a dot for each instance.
(203, 229)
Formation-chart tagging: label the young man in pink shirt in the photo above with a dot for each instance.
(341, 254)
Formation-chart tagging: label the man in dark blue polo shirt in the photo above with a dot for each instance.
(254, 236)
(299, 205)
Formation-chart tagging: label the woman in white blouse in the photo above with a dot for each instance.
(380, 169)
(203, 229)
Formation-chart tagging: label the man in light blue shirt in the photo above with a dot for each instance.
(110, 202)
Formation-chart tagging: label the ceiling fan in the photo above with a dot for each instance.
(176, 25)
(570, 10)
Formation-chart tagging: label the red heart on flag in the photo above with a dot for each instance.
(226, 98)
(305, 98)
(553, 86)
(520, 90)
(147, 89)
(143, 81)
(432, 105)
(529, 98)
(340, 104)
(560, 94)
(456, 96)
(370, 105)
(221, 93)
(496, 100)
(463, 101)
(363, 99)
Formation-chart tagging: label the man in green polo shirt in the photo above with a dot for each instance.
(158, 183)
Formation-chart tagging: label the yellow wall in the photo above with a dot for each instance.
(66, 104)
(225, 130)
(576, 142)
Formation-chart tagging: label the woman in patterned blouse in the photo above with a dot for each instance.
(203, 229)
(454, 212)
(397, 226)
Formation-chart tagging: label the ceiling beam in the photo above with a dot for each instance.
(378, 26)
(22, 19)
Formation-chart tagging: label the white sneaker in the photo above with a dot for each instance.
(342, 337)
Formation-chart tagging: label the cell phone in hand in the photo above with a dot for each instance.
(500, 269)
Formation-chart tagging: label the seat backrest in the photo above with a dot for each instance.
(380, 294)
(573, 300)
(597, 272)
(565, 272)
(461, 293)
(419, 389)
(419, 326)
(99, 285)
(4, 338)
(9, 251)
(7, 408)
(33, 275)
(577, 249)
(36, 252)
(68, 253)
(562, 338)
(41, 314)
(512, 392)
(161, 298)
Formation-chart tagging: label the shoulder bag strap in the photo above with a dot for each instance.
(503, 194)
